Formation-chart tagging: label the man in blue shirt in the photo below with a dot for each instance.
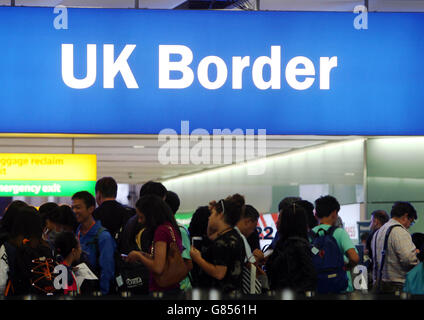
(95, 240)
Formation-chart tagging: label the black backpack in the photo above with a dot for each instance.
(129, 277)
(133, 278)
(31, 270)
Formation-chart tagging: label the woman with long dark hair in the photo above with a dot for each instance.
(290, 265)
(157, 217)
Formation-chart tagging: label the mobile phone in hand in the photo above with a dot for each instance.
(196, 242)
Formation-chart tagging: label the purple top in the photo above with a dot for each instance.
(163, 234)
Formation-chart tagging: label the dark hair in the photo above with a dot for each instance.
(232, 207)
(401, 207)
(85, 196)
(107, 187)
(10, 214)
(293, 222)
(199, 222)
(44, 209)
(381, 216)
(325, 205)
(27, 223)
(152, 187)
(156, 212)
(64, 243)
(418, 240)
(309, 210)
(287, 201)
(250, 213)
(173, 201)
(365, 236)
(63, 215)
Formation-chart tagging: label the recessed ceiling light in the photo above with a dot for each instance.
(138, 147)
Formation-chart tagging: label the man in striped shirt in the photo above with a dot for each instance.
(400, 255)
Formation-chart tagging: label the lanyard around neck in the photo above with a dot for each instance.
(79, 232)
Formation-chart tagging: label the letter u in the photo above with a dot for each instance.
(68, 67)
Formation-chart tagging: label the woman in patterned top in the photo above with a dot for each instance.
(221, 265)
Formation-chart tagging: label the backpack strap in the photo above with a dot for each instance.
(374, 253)
(316, 233)
(383, 253)
(95, 242)
(331, 230)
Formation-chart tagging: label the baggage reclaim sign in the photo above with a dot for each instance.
(59, 175)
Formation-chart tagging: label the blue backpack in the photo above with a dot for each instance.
(414, 282)
(328, 261)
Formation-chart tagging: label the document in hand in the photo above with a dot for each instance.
(83, 272)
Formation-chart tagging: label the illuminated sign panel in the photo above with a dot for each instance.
(60, 175)
(286, 72)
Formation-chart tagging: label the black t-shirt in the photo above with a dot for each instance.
(113, 215)
(226, 250)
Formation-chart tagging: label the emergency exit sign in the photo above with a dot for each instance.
(59, 175)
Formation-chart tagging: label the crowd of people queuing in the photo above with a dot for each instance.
(144, 251)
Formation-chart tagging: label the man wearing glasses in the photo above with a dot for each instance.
(394, 253)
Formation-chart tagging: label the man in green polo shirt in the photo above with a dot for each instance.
(326, 210)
